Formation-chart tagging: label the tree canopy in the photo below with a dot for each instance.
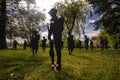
(22, 20)
(16, 20)
(109, 11)
(74, 12)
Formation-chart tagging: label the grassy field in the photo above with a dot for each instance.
(92, 65)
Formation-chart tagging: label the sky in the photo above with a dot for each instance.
(46, 5)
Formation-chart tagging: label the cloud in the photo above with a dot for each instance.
(91, 21)
(93, 34)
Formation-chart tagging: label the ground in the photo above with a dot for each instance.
(81, 65)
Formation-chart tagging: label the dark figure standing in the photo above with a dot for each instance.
(80, 44)
(25, 45)
(34, 43)
(106, 43)
(15, 44)
(86, 42)
(44, 44)
(102, 43)
(56, 28)
(91, 44)
(70, 43)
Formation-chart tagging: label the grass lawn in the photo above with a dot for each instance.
(92, 65)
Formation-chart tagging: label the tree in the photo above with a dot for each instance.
(74, 12)
(112, 39)
(29, 23)
(21, 20)
(109, 11)
(3, 18)
(12, 21)
(3, 24)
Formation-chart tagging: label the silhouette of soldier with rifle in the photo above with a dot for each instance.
(56, 29)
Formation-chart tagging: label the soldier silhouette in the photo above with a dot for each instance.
(102, 43)
(44, 44)
(70, 43)
(80, 44)
(56, 28)
(34, 43)
(86, 42)
(25, 45)
(15, 43)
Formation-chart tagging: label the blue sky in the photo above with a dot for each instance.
(89, 26)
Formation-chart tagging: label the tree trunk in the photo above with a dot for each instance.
(3, 44)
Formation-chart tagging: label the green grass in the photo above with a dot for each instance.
(92, 65)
